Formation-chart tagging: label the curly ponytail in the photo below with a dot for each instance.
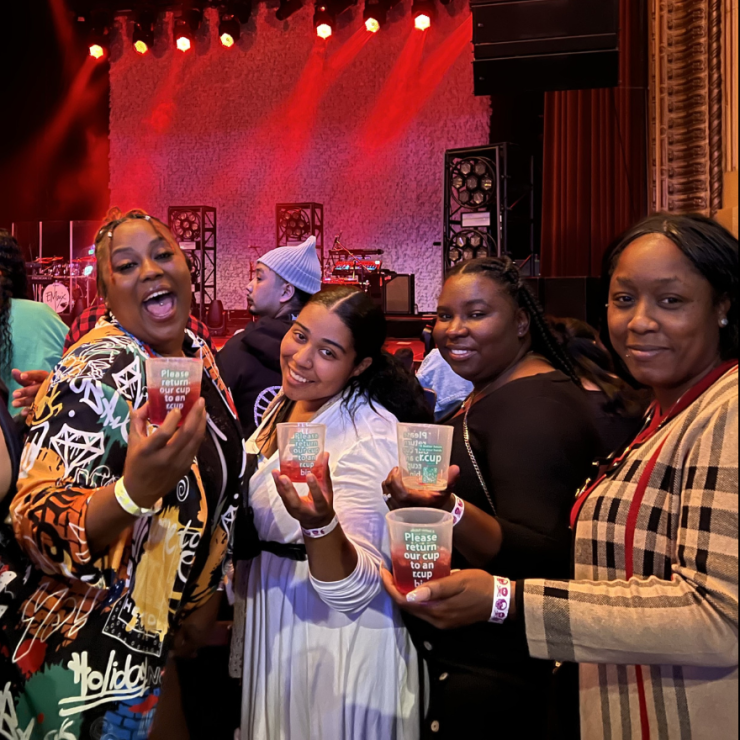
(386, 382)
(503, 271)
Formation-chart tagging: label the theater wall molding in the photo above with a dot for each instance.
(693, 107)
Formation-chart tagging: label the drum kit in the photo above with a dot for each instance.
(60, 283)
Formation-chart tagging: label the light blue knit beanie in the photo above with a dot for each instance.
(299, 266)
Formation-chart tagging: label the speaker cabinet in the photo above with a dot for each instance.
(545, 45)
(400, 295)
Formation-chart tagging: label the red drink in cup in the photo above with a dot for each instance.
(421, 546)
(172, 383)
(301, 447)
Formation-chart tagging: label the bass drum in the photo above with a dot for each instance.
(56, 296)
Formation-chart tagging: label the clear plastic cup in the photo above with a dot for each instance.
(424, 452)
(301, 446)
(172, 383)
(421, 546)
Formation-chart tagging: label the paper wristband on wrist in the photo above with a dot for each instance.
(318, 533)
(130, 506)
(501, 600)
(458, 510)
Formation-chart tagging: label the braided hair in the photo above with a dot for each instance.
(13, 284)
(113, 220)
(505, 273)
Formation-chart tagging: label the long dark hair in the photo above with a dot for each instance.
(505, 273)
(711, 249)
(13, 284)
(386, 382)
(594, 363)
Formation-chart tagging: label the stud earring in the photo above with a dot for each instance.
(724, 322)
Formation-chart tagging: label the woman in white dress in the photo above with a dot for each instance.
(325, 653)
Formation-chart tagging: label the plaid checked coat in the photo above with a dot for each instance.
(652, 616)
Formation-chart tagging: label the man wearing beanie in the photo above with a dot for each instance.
(250, 361)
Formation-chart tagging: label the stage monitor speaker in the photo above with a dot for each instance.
(400, 295)
(545, 45)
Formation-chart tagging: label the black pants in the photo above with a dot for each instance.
(466, 703)
(211, 701)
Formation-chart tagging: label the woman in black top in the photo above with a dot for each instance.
(531, 443)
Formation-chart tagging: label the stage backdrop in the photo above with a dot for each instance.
(359, 123)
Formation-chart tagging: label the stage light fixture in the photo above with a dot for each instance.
(375, 15)
(423, 12)
(143, 38)
(287, 8)
(229, 30)
(323, 21)
(183, 35)
(98, 37)
(97, 51)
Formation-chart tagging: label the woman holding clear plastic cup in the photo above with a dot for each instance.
(125, 524)
(522, 445)
(325, 654)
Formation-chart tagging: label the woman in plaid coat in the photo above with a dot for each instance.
(652, 615)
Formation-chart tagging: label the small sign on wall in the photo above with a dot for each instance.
(476, 219)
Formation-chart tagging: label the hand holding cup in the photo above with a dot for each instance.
(315, 510)
(157, 462)
(398, 496)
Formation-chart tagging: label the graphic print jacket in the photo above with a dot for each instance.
(84, 653)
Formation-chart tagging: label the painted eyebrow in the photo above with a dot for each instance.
(659, 281)
(153, 243)
(468, 304)
(306, 330)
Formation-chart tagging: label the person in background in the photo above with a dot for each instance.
(31, 334)
(325, 654)
(652, 614)
(523, 443)
(435, 374)
(618, 408)
(249, 362)
(126, 526)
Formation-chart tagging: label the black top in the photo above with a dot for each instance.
(250, 365)
(535, 442)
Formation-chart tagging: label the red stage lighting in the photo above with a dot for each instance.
(323, 21)
(97, 51)
(229, 30)
(422, 21)
(423, 12)
(375, 15)
(183, 35)
(144, 33)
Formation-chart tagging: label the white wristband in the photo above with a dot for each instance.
(130, 506)
(501, 600)
(317, 534)
(458, 511)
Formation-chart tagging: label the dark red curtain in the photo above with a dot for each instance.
(595, 159)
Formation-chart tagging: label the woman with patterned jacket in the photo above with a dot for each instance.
(652, 615)
(126, 526)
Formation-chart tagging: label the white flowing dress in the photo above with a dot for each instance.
(328, 661)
